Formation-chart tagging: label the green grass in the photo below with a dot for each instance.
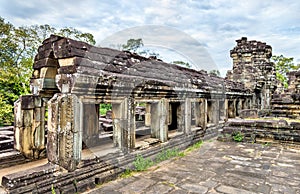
(167, 154)
(194, 146)
(141, 164)
(127, 173)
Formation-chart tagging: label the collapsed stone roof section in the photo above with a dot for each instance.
(245, 46)
(120, 69)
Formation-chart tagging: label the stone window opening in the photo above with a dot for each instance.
(144, 137)
(98, 131)
(174, 119)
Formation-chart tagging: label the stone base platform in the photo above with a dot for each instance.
(218, 167)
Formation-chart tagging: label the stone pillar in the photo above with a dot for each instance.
(232, 108)
(124, 124)
(29, 127)
(249, 102)
(129, 133)
(268, 96)
(213, 112)
(180, 117)
(184, 116)
(170, 119)
(216, 110)
(239, 106)
(65, 130)
(159, 120)
(90, 124)
(222, 110)
(187, 115)
(197, 114)
(148, 115)
(203, 113)
(226, 109)
(118, 117)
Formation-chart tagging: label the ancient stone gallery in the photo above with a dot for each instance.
(154, 106)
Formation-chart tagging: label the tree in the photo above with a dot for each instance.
(215, 72)
(283, 65)
(133, 45)
(137, 46)
(181, 63)
(18, 47)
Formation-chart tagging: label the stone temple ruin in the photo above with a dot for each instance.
(155, 106)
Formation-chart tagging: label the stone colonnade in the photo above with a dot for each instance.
(68, 115)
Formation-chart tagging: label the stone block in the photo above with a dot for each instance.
(249, 113)
(27, 102)
(66, 62)
(46, 62)
(48, 72)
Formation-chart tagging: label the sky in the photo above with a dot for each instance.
(201, 32)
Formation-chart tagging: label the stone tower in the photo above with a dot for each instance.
(252, 67)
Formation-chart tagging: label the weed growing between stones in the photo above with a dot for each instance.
(238, 137)
(127, 173)
(52, 190)
(167, 154)
(194, 147)
(141, 164)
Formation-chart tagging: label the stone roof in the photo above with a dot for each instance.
(105, 66)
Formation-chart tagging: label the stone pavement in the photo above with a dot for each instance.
(218, 167)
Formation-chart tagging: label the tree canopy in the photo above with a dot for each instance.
(182, 63)
(283, 65)
(137, 46)
(215, 72)
(18, 47)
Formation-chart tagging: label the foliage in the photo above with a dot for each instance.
(283, 65)
(133, 44)
(6, 115)
(127, 173)
(141, 164)
(104, 108)
(238, 137)
(137, 46)
(52, 189)
(182, 63)
(194, 146)
(215, 72)
(167, 154)
(18, 47)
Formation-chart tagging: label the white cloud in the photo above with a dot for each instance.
(216, 24)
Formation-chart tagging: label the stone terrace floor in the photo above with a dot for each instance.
(218, 167)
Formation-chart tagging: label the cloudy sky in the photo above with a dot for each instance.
(188, 28)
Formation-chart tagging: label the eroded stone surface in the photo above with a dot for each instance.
(220, 167)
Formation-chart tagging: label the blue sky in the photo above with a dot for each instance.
(215, 24)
